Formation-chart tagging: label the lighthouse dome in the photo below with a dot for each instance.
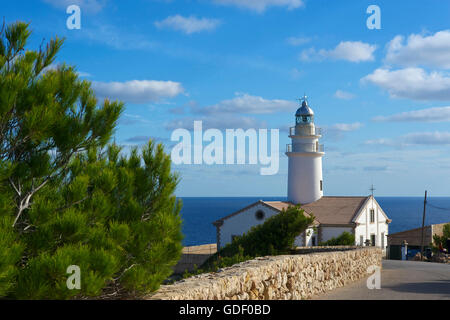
(304, 114)
(304, 110)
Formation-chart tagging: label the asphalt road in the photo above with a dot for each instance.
(400, 280)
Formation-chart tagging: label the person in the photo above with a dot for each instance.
(441, 248)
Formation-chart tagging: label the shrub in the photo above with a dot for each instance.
(345, 239)
(273, 237)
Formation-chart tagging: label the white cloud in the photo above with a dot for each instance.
(84, 74)
(211, 121)
(92, 6)
(337, 131)
(297, 41)
(415, 138)
(412, 83)
(382, 142)
(55, 66)
(261, 5)
(438, 114)
(138, 91)
(295, 73)
(132, 119)
(345, 127)
(419, 50)
(188, 25)
(117, 38)
(145, 139)
(248, 104)
(353, 51)
(343, 95)
(427, 138)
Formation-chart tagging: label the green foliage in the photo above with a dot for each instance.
(67, 197)
(345, 239)
(46, 116)
(107, 217)
(274, 237)
(442, 240)
(10, 254)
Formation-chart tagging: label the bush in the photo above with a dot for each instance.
(345, 239)
(274, 237)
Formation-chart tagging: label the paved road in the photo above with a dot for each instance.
(400, 280)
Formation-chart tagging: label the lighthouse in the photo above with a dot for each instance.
(305, 182)
(333, 215)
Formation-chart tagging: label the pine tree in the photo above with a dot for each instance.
(68, 196)
(45, 116)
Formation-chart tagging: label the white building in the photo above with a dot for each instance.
(362, 216)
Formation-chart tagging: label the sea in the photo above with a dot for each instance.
(406, 213)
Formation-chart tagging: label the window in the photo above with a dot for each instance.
(321, 185)
(372, 215)
(372, 240)
(313, 241)
(361, 240)
(259, 215)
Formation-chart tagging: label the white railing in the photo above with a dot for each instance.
(305, 147)
(305, 131)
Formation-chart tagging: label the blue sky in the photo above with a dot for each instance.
(382, 96)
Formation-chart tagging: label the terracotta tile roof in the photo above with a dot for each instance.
(327, 210)
(335, 210)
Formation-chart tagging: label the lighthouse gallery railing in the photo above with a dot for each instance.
(305, 147)
(305, 131)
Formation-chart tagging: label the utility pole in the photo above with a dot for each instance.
(423, 225)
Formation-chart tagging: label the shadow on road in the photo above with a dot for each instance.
(437, 287)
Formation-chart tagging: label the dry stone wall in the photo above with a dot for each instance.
(276, 278)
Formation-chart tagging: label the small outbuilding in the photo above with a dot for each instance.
(413, 238)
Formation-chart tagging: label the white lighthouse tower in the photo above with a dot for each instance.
(305, 184)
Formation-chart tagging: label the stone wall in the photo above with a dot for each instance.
(278, 277)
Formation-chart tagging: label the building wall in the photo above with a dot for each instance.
(242, 222)
(333, 232)
(379, 227)
(306, 238)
